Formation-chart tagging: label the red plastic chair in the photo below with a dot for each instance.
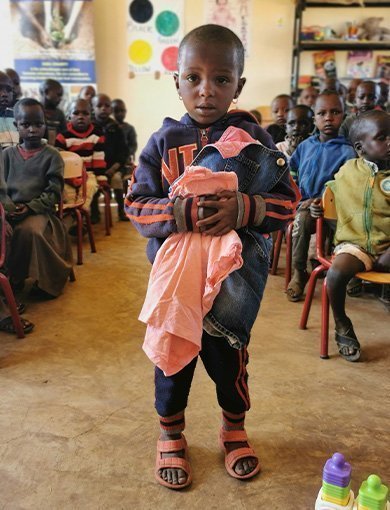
(74, 167)
(4, 282)
(328, 204)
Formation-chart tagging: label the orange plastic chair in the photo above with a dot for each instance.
(329, 206)
(4, 282)
(74, 167)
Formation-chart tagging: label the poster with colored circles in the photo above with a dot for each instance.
(155, 29)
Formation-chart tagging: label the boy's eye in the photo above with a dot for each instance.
(222, 79)
(191, 77)
(25, 124)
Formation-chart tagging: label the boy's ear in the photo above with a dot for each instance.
(176, 80)
(358, 146)
(240, 86)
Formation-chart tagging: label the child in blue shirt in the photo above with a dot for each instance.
(315, 162)
(209, 79)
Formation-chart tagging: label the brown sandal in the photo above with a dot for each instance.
(296, 287)
(231, 458)
(168, 446)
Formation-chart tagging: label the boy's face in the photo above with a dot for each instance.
(375, 145)
(279, 109)
(328, 116)
(366, 97)
(53, 96)
(80, 115)
(102, 107)
(208, 81)
(119, 111)
(308, 96)
(31, 125)
(87, 93)
(6, 91)
(14, 77)
(299, 123)
(351, 91)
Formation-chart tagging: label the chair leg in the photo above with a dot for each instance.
(79, 220)
(72, 276)
(9, 296)
(309, 295)
(276, 252)
(107, 211)
(324, 322)
(288, 254)
(88, 224)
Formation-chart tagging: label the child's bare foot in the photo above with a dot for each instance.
(172, 466)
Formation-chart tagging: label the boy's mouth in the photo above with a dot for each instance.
(205, 107)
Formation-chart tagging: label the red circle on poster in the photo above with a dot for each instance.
(169, 58)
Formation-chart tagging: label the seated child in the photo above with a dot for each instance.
(88, 93)
(14, 77)
(308, 96)
(279, 107)
(210, 67)
(257, 116)
(315, 162)
(351, 95)
(363, 228)
(366, 98)
(86, 140)
(8, 133)
(51, 92)
(299, 125)
(115, 153)
(119, 111)
(33, 172)
(6, 323)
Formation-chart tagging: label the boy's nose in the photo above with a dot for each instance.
(206, 89)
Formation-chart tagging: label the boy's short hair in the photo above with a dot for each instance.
(73, 103)
(48, 84)
(27, 101)
(283, 96)
(328, 93)
(304, 108)
(358, 128)
(215, 34)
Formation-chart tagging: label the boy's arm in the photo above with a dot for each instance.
(147, 206)
(51, 195)
(60, 142)
(98, 161)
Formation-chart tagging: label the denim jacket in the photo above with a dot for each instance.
(259, 169)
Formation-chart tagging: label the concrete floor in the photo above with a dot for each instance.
(77, 423)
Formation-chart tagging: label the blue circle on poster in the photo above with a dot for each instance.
(141, 11)
(167, 23)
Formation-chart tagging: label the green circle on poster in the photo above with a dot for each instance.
(140, 52)
(167, 23)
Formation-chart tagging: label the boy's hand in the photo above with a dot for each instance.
(316, 210)
(20, 212)
(225, 219)
(305, 204)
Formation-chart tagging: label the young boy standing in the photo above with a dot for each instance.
(9, 135)
(315, 162)
(209, 78)
(362, 198)
(119, 110)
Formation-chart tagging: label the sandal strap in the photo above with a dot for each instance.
(234, 456)
(171, 445)
(174, 463)
(233, 436)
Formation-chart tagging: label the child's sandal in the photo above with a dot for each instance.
(232, 457)
(296, 287)
(348, 345)
(168, 446)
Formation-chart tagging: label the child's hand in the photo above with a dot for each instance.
(305, 204)
(21, 211)
(225, 219)
(316, 210)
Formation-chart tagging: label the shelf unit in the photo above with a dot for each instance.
(299, 46)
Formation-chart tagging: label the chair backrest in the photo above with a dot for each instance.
(73, 164)
(329, 204)
(3, 241)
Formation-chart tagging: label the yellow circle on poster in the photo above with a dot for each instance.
(140, 51)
